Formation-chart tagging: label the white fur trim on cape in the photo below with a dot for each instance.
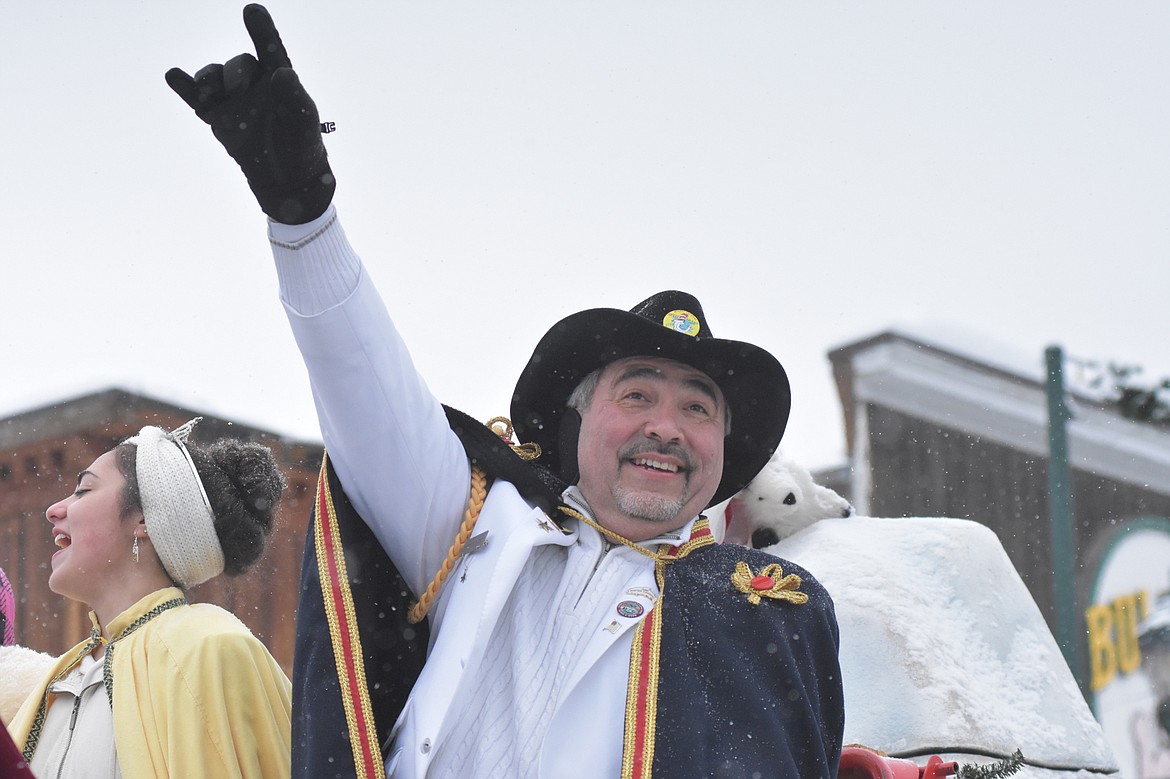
(21, 669)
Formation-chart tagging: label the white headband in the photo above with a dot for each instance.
(178, 514)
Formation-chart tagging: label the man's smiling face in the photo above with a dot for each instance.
(650, 452)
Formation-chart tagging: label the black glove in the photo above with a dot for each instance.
(267, 122)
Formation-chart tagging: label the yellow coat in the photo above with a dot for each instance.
(195, 695)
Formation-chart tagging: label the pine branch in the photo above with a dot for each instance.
(1123, 388)
(1006, 767)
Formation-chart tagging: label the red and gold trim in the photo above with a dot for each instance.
(642, 688)
(343, 630)
(642, 697)
(701, 536)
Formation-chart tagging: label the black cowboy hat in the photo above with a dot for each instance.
(670, 325)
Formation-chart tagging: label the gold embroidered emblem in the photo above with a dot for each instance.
(770, 582)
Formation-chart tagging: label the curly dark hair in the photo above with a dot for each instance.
(242, 482)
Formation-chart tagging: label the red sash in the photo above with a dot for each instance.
(343, 630)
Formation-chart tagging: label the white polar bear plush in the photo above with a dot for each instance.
(781, 500)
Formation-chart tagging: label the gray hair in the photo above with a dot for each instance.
(582, 396)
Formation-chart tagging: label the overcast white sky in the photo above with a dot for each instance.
(814, 172)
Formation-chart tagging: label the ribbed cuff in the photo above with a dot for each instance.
(316, 266)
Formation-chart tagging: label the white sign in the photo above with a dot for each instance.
(1133, 574)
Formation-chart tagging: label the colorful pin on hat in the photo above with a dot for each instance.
(682, 322)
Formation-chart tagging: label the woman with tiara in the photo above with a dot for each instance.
(162, 687)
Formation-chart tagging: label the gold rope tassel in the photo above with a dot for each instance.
(478, 494)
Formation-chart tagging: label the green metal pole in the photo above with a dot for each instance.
(1069, 634)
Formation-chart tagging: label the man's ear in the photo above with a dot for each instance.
(567, 437)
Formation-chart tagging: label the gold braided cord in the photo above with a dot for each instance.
(502, 426)
(474, 504)
(657, 557)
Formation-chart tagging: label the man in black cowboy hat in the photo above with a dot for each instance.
(575, 614)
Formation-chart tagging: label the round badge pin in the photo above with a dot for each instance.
(630, 608)
(682, 321)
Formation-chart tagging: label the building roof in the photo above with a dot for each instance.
(115, 410)
(1006, 405)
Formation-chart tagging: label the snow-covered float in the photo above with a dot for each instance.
(945, 655)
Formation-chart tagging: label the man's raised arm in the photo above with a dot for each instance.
(402, 467)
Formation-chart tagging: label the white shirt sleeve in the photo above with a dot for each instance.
(401, 466)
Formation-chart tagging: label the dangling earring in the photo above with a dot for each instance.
(134, 549)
